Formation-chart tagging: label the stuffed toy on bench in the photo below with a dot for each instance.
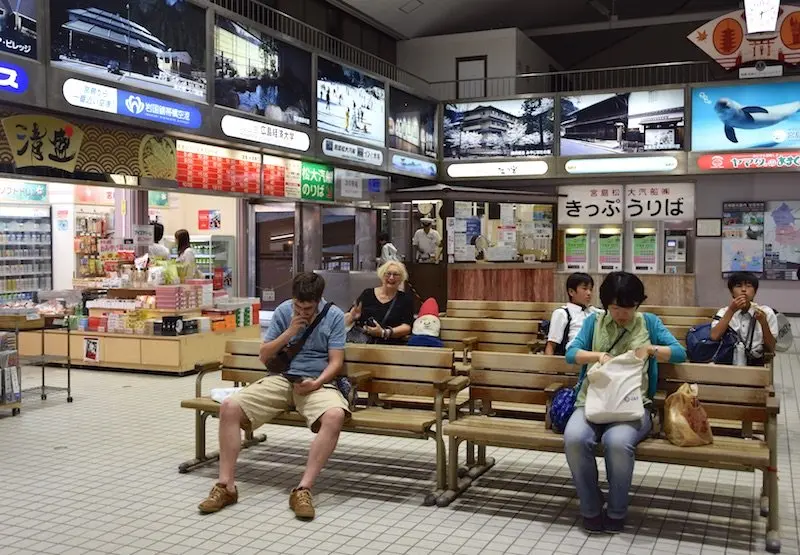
(425, 332)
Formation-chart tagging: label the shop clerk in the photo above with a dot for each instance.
(186, 254)
(157, 250)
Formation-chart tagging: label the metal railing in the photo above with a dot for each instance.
(321, 41)
(651, 75)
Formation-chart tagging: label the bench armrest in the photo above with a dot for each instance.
(773, 405)
(359, 377)
(457, 383)
(469, 345)
(204, 368)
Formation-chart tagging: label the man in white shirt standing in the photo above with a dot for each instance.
(566, 321)
(426, 242)
(742, 314)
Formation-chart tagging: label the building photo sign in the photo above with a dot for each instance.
(101, 98)
(522, 168)
(352, 152)
(640, 121)
(583, 204)
(18, 28)
(158, 45)
(412, 123)
(499, 128)
(265, 133)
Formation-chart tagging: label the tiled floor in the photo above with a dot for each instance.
(100, 476)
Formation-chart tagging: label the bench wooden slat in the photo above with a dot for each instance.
(686, 311)
(522, 380)
(521, 363)
(499, 305)
(242, 376)
(500, 314)
(400, 373)
(405, 356)
(410, 389)
(719, 374)
(487, 324)
(489, 337)
(530, 396)
(243, 362)
(683, 320)
(721, 394)
(458, 346)
(739, 413)
(243, 347)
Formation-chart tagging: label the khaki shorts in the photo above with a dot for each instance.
(269, 397)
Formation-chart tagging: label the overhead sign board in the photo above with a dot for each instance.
(102, 98)
(13, 79)
(647, 164)
(265, 133)
(352, 152)
(522, 168)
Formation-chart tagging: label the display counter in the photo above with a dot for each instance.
(661, 289)
(501, 281)
(143, 353)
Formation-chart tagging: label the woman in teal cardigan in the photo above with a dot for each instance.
(620, 329)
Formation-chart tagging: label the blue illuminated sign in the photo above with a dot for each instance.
(13, 79)
(103, 98)
(414, 165)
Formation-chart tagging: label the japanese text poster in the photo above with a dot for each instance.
(576, 252)
(645, 258)
(609, 252)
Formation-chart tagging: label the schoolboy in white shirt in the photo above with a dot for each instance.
(566, 321)
(742, 313)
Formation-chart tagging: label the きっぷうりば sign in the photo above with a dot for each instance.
(747, 161)
(102, 98)
(582, 204)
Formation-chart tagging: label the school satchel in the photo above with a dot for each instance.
(279, 364)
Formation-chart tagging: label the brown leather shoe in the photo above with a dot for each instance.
(218, 499)
(301, 502)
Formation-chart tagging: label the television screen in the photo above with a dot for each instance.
(260, 75)
(499, 128)
(158, 45)
(412, 123)
(743, 117)
(622, 123)
(350, 103)
(18, 28)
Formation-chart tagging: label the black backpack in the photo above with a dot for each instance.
(544, 331)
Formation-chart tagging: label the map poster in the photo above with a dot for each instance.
(743, 237)
(782, 240)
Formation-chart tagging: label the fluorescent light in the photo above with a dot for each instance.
(498, 169)
(610, 231)
(575, 231)
(282, 237)
(622, 165)
(644, 230)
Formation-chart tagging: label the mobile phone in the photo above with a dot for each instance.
(372, 322)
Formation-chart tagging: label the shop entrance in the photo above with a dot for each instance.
(275, 247)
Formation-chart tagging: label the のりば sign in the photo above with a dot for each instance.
(102, 98)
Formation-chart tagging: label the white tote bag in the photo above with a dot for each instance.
(614, 393)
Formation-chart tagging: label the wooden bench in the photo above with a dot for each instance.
(728, 393)
(375, 370)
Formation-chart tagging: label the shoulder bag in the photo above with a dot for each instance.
(279, 364)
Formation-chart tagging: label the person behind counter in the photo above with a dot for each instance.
(388, 250)
(186, 254)
(426, 242)
(383, 314)
(621, 328)
(157, 250)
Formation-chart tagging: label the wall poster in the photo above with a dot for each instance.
(782, 240)
(609, 252)
(645, 252)
(742, 237)
(576, 252)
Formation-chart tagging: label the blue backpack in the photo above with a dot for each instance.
(702, 349)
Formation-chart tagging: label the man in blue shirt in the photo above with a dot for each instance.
(306, 386)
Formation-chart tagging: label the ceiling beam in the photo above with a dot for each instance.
(624, 24)
(358, 14)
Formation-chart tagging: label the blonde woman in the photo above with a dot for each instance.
(383, 314)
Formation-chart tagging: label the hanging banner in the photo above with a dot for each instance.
(645, 249)
(609, 252)
(742, 237)
(589, 205)
(576, 252)
(670, 201)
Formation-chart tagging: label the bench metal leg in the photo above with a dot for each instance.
(441, 472)
(455, 485)
(765, 494)
(773, 520)
(201, 458)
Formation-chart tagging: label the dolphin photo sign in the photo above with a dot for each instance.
(762, 116)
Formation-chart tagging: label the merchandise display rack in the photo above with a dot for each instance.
(41, 326)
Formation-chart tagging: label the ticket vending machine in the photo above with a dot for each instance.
(676, 251)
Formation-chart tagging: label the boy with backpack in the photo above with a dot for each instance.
(755, 325)
(566, 321)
